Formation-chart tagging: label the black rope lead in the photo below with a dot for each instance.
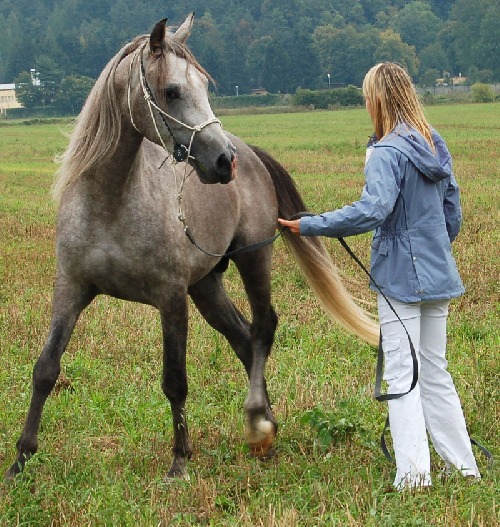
(380, 358)
(245, 248)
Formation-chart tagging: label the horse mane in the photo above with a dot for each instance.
(97, 128)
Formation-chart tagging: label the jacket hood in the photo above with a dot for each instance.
(435, 166)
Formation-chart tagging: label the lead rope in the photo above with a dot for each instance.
(380, 397)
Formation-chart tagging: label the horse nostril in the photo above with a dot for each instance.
(224, 164)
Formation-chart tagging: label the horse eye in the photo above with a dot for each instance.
(171, 93)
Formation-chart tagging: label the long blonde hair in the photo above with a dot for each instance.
(393, 100)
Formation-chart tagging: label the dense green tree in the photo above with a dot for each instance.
(28, 91)
(210, 49)
(304, 67)
(433, 57)
(488, 47)
(49, 75)
(240, 37)
(256, 58)
(18, 57)
(277, 62)
(73, 92)
(441, 8)
(393, 49)
(4, 44)
(40, 86)
(347, 54)
(429, 76)
(474, 35)
(129, 20)
(96, 46)
(371, 8)
(277, 44)
(417, 24)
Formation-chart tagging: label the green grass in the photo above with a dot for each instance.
(106, 431)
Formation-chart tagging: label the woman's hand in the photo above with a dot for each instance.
(293, 225)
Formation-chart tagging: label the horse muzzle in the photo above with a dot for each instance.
(222, 171)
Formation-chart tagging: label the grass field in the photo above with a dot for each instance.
(106, 431)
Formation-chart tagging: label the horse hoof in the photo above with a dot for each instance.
(178, 472)
(13, 471)
(170, 479)
(9, 478)
(261, 438)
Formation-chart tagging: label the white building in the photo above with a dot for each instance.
(8, 98)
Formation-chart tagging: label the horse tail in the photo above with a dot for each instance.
(314, 260)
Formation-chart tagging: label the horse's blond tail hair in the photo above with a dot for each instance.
(323, 278)
(315, 262)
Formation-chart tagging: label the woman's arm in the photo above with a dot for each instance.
(370, 211)
(452, 209)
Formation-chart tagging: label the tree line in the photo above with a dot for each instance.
(278, 45)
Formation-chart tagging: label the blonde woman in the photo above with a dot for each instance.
(411, 201)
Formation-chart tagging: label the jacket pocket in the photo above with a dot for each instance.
(380, 246)
(392, 357)
(383, 248)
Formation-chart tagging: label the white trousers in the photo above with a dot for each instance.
(433, 405)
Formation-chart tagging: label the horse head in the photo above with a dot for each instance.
(168, 103)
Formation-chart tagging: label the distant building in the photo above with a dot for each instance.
(8, 98)
(258, 91)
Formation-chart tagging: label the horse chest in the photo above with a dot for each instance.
(137, 260)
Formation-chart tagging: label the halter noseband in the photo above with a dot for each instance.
(180, 151)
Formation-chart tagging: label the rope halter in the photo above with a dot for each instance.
(180, 151)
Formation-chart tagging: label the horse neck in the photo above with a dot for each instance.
(127, 148)
(118, 168)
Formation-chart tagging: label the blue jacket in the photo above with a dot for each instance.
(411, 199)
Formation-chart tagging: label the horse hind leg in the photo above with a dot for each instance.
(255, 271)
(261, 423)
(69, 301)
(217, 309)
(215, 306)
(211, 300)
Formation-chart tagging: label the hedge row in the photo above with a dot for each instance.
(38, 111)
(324, 99)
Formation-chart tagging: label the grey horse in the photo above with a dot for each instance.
(146, 162)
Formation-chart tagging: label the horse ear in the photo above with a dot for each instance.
(157, 36)
(185, 28)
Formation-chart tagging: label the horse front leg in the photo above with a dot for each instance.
(68, 302)
(261, 423)
(174, 321)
